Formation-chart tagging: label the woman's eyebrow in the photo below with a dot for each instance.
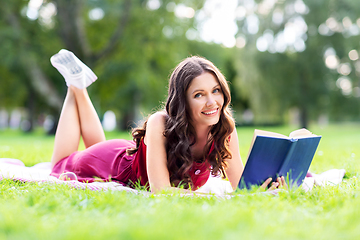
(197, 90)
(201, 90)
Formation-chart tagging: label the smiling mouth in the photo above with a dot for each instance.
(211, 112)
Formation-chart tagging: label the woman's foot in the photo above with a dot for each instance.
(74, 71)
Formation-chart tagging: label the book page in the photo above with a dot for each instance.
(268, 134)
(301, 133)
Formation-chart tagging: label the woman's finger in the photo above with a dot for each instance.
(273, 186)
(279, 181)
(266, 183)
(284, 185)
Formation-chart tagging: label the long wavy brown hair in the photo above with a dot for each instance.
(180, 134)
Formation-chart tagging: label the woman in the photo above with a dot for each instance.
(179, 147)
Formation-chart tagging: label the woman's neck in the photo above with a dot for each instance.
(202, 136)
(202, 133)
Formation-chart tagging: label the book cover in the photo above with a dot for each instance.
(273, 155)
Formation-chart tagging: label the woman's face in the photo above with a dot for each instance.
(205, 100)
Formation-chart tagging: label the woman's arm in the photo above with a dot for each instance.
(235, 166)
(156, 157)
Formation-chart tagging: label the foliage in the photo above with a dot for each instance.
(132, 49)
(284, 74)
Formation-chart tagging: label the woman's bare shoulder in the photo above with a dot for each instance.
(155, 127)
(158, 117)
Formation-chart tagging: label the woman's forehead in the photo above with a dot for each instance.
(205, 80)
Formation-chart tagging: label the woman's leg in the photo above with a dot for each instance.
(90, 125)
(78, 116)
(67, 135)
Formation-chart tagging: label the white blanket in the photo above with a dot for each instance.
(16, 170)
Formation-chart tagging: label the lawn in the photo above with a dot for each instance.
(43, 211)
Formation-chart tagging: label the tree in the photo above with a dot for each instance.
(287, 48)
(131, 45)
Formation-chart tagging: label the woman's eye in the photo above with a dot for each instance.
(216, 90)
(197, 95)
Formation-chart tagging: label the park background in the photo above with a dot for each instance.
(287, 61)
(290, 64)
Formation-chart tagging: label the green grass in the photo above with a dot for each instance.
(43, 211)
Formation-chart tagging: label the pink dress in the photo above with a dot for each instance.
(108, 161)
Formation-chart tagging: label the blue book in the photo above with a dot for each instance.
(273, 155)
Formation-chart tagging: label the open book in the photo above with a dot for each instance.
(273, 155)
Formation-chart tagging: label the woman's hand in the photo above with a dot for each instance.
(280, 183)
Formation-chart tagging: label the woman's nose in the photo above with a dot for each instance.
(210, 101)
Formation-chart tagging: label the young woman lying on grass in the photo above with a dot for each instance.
(181, 146)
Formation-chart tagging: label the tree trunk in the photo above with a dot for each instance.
(304, 117)
(28, 62)
(73, 32)
(30, 105)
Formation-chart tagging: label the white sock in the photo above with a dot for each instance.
(74, 71)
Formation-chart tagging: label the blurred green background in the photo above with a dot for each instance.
(287, 61)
